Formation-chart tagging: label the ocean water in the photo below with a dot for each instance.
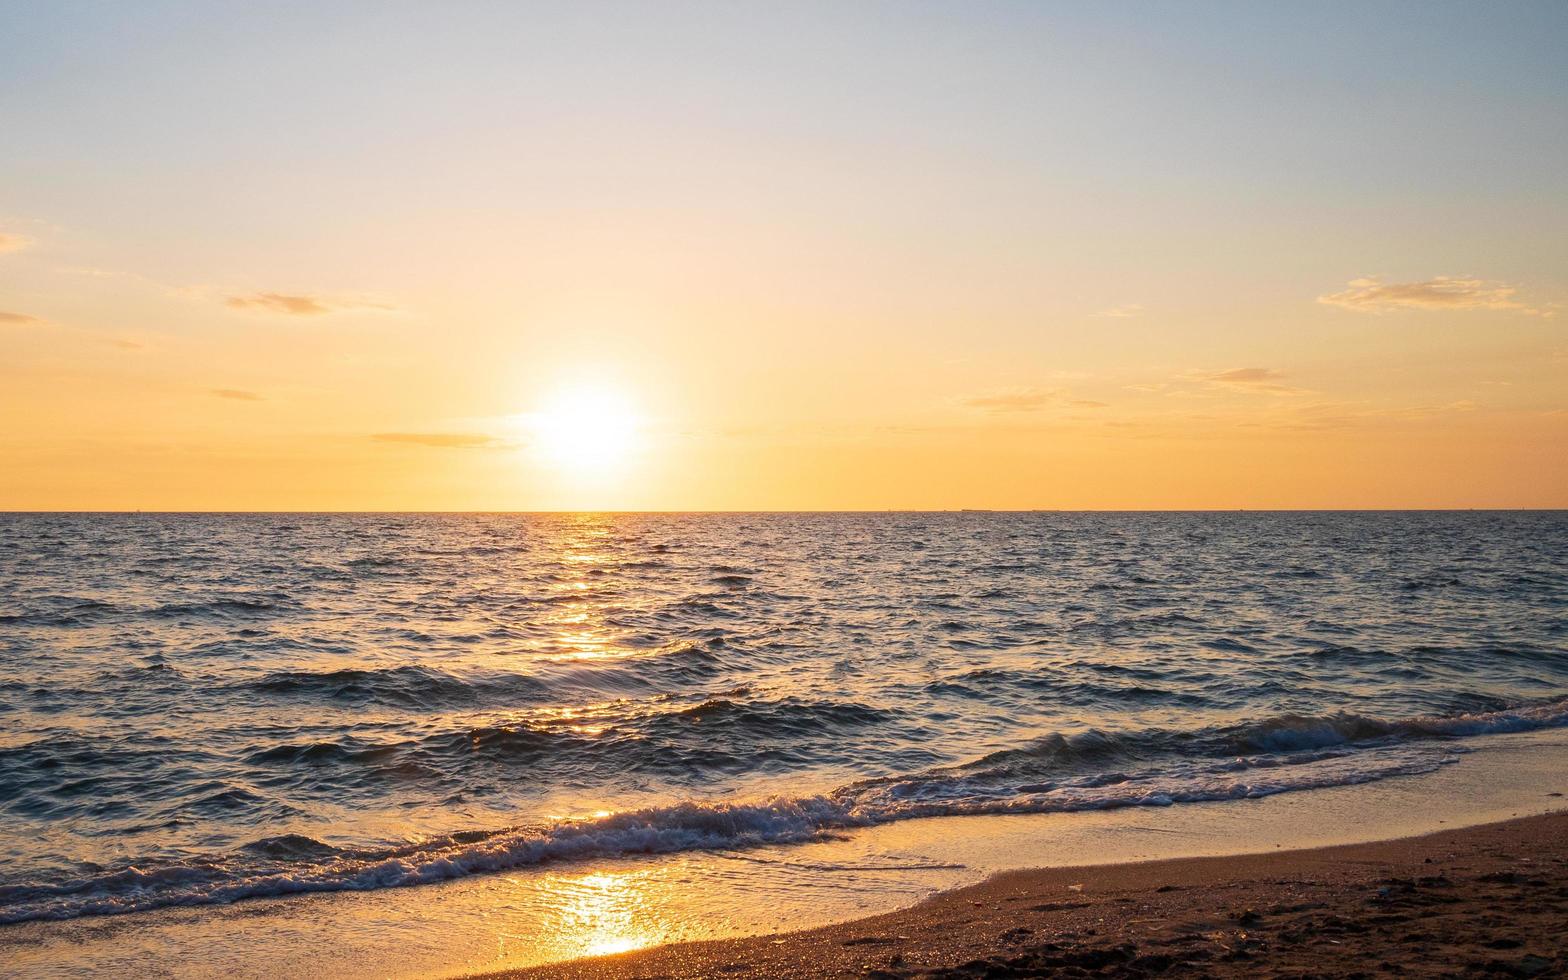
(197, 709)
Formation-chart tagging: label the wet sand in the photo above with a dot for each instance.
(1487, 900)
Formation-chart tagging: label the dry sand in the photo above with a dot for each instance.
(1489, 900)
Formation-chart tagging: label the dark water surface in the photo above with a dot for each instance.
(198, 708)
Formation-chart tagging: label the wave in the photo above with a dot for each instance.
(1085, 771)
(405, 686)
(716, 735)
(227, 607)
(1277, 734)
(420, 686)
(69, 611)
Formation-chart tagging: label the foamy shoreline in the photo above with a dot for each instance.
(1321, 752)
(561, 912)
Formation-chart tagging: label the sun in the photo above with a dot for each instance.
(586, 428)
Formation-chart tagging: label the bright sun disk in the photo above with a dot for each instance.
(586, 428)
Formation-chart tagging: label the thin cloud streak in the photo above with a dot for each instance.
(1246, 376)
(1015, 400)
(1254, 379)
(443, 440)
(1372, 295)
(1122, 312)
(288, 304)
(237, 394)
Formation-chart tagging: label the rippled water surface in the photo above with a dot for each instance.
(202, 708)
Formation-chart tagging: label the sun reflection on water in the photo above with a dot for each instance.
(578, 628)
(605, 912)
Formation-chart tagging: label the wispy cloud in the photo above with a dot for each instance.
(237, 394)
(443, 440)
(288, 304)
(18, 319)
(11, 242)
(1350, 415)
(1247, 376)
(1257, 379)
(261, 301)
(1372, 295)
(1013, 400)
(279, 303)
(1121, 312)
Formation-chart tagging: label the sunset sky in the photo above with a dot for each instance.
(458, 256)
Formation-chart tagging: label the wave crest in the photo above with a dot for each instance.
(1148, 768)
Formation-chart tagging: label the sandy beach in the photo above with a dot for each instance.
(1487, 900)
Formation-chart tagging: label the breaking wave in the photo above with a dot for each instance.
(1090, 770)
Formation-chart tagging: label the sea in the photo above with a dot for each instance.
(199, 709)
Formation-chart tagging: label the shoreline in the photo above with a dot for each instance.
(1489, 898)
(562, 912)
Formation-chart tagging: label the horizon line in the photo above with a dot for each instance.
(786, 510)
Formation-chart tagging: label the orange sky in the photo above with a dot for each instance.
(752, 258)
